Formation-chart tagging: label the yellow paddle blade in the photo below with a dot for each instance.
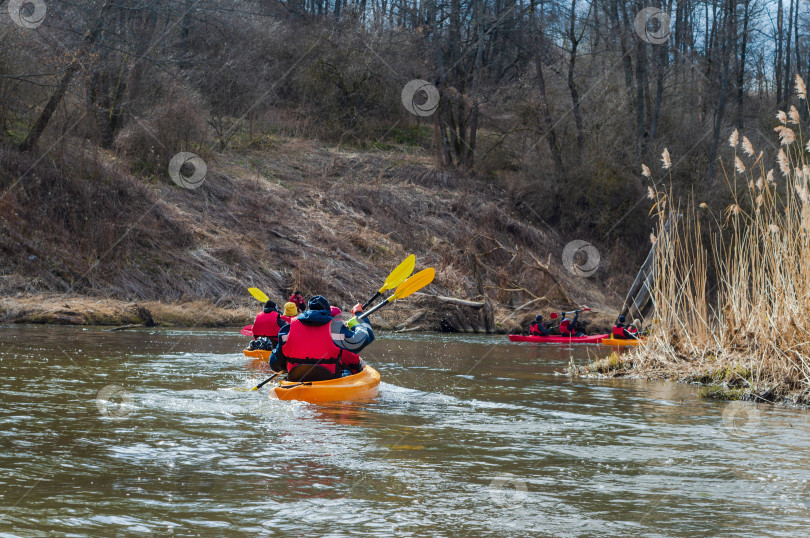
(259, 295)
(399, 274)
(413, 284)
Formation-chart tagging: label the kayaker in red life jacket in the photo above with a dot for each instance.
(313, 348)
(268, 322)
(624, 332)
(538, 328)
(569, 327)
(298, 299)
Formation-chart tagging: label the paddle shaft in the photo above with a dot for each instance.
(266, 381)
(364, 315)
(365, 305)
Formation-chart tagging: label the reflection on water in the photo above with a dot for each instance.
(131, 433)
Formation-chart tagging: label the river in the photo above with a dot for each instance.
(470, 436)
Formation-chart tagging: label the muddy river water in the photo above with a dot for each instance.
(137, 433)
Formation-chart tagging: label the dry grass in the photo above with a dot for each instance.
(732, 300)
(83, 310)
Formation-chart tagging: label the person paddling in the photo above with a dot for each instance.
(568, 327)
(310, 349)
(267, 323)
(538, 328)
(297, 299)
(622, 331)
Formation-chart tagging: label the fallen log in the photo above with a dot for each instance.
(455, 301)
(125, 327)
(521, 307)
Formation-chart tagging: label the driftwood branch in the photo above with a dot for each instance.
(125, 327)
(521, 307)
(547, 271)
(453, 300)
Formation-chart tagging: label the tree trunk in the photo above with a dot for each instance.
(779, 24)
(572, 88)
(45, 116)
(641, 66)
(741, 71)
(661, 65)
(551, 135)
(479, 59)
(787, 78)
(721, 106)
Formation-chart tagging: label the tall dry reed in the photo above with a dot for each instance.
(732, 289)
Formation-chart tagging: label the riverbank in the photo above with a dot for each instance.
(418, 314)
(95, 233)
(721, 374)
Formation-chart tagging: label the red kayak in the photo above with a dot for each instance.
(248, 330)
(595, 339)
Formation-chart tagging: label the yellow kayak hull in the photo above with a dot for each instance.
(361, 386)
(621, 342)
(262, 354)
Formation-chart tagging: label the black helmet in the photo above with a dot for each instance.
(621, 319)
(270, 306)
(538, 318)
(318, 303)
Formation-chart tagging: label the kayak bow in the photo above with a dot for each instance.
(621, 342)
(258, 354)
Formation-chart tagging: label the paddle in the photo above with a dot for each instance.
(260, 385)
(412, 285)
(397, 277)
(259, 295)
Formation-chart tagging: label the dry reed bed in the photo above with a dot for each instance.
(732, 292)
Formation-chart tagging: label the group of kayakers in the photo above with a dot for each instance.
(566, 327)
(621, 331)
(309, 339)
(570, 326)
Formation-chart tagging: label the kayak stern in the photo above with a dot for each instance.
(360, 386)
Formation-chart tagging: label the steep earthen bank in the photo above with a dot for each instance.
(83, 239)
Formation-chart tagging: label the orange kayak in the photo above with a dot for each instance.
(621, 342)
(262, 354)
(359, 386)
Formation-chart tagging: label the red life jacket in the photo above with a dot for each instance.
(618, 332)
(564, 324)
(266, 324)
(301, 304)
(534, 329)
(312, 344)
